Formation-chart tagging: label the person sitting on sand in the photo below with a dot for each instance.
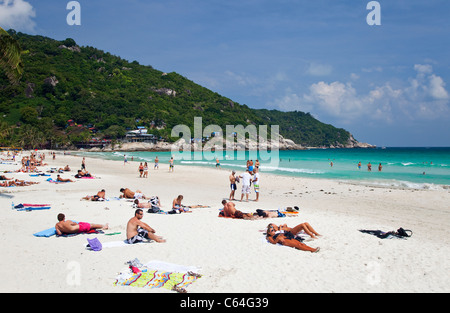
(100, 196)
(137, 230)
(81, 174)
(128, 194)
(287, 238)
(63, 180)
(70, 227)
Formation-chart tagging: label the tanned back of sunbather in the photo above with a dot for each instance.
(70, 227)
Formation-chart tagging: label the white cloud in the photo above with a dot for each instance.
(319, 69)
(17, 14)
(423, 97)
(425, 69)
(437, 88)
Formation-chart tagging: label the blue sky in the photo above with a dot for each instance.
(387, 84)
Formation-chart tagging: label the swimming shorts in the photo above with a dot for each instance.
(256, 188)
(84, 227)
(138, 195)
(233, 186)
(141, 235)
(245, 189)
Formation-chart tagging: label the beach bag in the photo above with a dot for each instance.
(94, 244)
(404, 232)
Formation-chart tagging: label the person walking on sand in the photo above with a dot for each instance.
(145, 170)
(71, 227)
(125, 159)
(156, 164)
(171, 164)
(141, 169)
(137, 230)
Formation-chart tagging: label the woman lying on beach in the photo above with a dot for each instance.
(289, 236)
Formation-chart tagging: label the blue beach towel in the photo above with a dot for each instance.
(46, 233)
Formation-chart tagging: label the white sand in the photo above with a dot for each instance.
(230, 252)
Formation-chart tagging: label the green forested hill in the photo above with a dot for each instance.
(108, 94)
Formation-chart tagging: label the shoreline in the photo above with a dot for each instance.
(230, 253)
(375, 182)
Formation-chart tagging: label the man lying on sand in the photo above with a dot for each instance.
(128, 194)
(100, 196)
(70, 227)
(229, 210)
(137, 230)
(63, 180)
(289, 237)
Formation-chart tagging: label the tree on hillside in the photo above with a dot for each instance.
(10, 57)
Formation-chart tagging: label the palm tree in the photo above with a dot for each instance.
(10, 57)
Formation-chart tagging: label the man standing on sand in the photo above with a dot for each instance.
(246, 178)
(171, 164)
(70, 227)
(232, 185)
(256, 182)
(137, 230)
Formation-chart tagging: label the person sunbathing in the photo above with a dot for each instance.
(70, 227)
(81, 174)
(7, 183)
(63, 180)
(100, 196)
(305, 227)
(229, 210)
(64, 169)
(3, 177)
(286, 238)
(137, 230)
(128, 194)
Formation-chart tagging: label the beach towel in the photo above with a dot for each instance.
(34, 208)
(46, 233)
(121, 243)
(158, 274)
(52, 232)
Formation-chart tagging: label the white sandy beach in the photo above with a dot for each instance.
(231, 253)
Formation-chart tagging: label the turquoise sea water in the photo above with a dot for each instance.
(402, 167)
